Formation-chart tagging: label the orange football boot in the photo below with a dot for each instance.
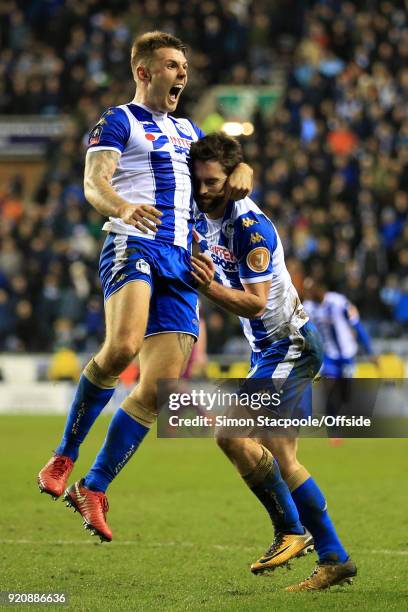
(54, 476)
(93, 507)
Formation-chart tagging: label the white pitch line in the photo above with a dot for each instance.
(387, 552)
(143, 544)
(96, 541)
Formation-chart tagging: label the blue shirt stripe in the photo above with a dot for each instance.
(165, 183)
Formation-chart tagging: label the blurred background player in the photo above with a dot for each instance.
(342, 331)
(339, 324)
(139, 152)
(253, 283)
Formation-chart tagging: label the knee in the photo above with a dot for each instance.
(146, 395)
(120, 353)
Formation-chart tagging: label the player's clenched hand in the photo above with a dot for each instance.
(240, 182)
(142, 216)
(204, 271)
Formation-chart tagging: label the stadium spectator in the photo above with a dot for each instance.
(330, 164)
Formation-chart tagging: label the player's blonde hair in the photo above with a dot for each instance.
(145, 45)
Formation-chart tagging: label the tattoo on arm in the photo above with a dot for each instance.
(99, 169)
(102, 164)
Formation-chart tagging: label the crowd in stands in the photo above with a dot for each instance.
(331, 164)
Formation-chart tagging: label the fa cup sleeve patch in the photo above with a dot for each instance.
(95, 135)
(258, 259)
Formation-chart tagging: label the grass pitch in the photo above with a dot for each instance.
(186, 528)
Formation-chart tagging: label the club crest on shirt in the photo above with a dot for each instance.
(227, 228)
(258, 259)
(257, 237)
(184, 130)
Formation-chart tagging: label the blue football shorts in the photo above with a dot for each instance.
(166, 268)
(338, 368)
(287, 367)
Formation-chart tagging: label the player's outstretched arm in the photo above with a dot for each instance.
(249, 303)
(99, 169)
(362, 335)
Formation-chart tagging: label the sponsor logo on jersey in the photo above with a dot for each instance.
(157, 139)
(181, 145)
(257, 237)
(258, 259)
(247, 222)
(181, 142)
(142, 266)
(223, 257)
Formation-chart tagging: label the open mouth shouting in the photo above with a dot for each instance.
(174, 93)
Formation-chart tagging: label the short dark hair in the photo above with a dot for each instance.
(145, 45)
(218, 147)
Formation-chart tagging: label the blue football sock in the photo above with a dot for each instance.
(274, 494)
(312, 508)
(88, 403)
(123, 438)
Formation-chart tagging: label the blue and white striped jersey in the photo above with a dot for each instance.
(153, 167)
(335, 318)
(246, 248)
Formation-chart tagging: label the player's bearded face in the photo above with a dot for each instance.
(209, 185)
(168, 72)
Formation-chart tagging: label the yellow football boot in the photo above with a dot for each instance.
(286, 546)
(326, 575)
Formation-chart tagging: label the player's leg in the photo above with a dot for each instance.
(334, 564)
(171, 330)
(309, 499)
(261, 473)
(125, 328)
(162, 356)
(287, 367)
